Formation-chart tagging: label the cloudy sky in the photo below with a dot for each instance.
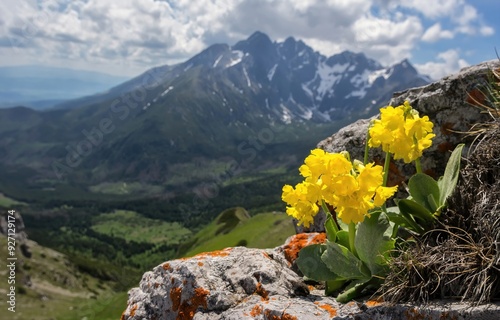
(126, 37)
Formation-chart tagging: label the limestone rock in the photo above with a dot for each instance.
(241, 283)
(20, 233)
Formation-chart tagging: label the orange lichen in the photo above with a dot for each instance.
(300, 241)
(175, 296)
(283, 316)
(217, 253)
(167, 267)
(187, 309)
(372, 303)
(413, 314)
(200, 264)
(256, 311)
(331, 310)
(132, 311)
(261, 291)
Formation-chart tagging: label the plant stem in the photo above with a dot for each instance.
(418, 165)
(386, 168)
(386, 174)
(352, 235)
(355, 291)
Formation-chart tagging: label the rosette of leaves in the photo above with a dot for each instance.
(343, 269)
(427, 199)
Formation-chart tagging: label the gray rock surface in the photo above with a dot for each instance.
(241, 283)
(19, 229)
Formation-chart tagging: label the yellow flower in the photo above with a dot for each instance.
(352, 189)
(402, 132)
(382, 194)
(302, 201)
(314, 165)
(370, 177)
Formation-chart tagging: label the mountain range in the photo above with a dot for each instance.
(257, 105)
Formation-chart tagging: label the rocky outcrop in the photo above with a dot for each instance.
(18, 221)
(241, 283)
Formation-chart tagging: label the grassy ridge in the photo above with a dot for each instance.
(264, 230)
(131, 226)
(48, 284)
(7, 202)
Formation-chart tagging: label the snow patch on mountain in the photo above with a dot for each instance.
(340, 68)
(271, 72)
(329, 76)
(166, 91)
(236, 57)
(249, 83)
(385, 73)
(307, 90)
(217, 61)
(286, 115)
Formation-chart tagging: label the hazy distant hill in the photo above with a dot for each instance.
(41, 87)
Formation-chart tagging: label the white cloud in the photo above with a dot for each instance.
(132, 35)
(386, 40)
(448, 62)
(487, 31)
(433, 9)
(435, 33)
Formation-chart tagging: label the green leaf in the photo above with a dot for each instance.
(425, 191)
(333, 285)
(331, 228)
(372, 243)
(353, 290)
(416, 210)
(341, 261)
(311, 265)
(397, 218)
(448, 181)
(410, 209)
(411, 223)
(343, 238)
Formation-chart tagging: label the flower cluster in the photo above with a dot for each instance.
(351, 188)
(402, 132)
